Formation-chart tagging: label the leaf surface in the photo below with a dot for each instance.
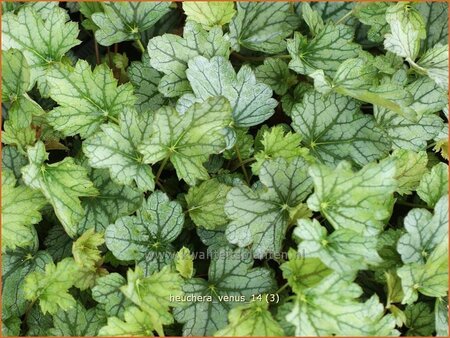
(251, 101)
(127, 20)
(43, 37)
(188, 139)
(334, 129)
(260, 218)
(360, 201)
(170, 54)
(209, 14)
(261, 26)
(86, 98)
(146, 238)
(230, 274)
(20, 210)
(433, 184)
(62, 183)
(115, 148)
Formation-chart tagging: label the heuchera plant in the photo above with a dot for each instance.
(221, 168)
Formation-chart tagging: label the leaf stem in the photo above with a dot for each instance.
(282, 288)
(416, 67)
(238, 154)
(140, 45)
(345, 17)
(160, 186)
(114, 119)
(161, 168)
(414, 205)
(28, 309)
(249, 160)
(97, 53)
(110, 61)
(431, 145)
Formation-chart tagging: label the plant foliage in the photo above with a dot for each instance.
(224, 168)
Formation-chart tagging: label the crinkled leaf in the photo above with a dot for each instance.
(325, 51)
(51, 287)
(410, 167)
(434, 184)
(278, 144)
(261, 26)
(85, 249)
(136, 323)
(43, 37)
(147, 237)
(170, 54)
(76, 321)
(62, 183)
(20, 210)
(188, 139)
(230, 274)
(303, 273)
(260, 218)
(360, 201)
(126, 20)
(424, 232)
(331, 308)
(112, 202)
(86, 98)
(209, 14)
(115, 148)
(206, 204)
(344, 250)
(152, 294)
(87, 275)
(184, 263)
(107, 292)
(253, 319)
(19, 137)
(251, 101)
(334, 129)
